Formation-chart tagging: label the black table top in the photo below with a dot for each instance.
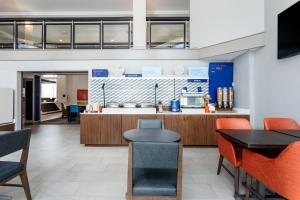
(151, 135)
(257, 139)
(294, 133)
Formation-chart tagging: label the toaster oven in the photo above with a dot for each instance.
(192, 100)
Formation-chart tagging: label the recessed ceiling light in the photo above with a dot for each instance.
(60, 40)
(112, 40)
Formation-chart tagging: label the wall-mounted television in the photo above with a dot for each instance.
(289, 32)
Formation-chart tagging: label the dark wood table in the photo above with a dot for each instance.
(293, 133)
(151, 135)
(259, 139)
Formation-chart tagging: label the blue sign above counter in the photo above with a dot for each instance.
(193, 80)
(99, 73)
(133, 75)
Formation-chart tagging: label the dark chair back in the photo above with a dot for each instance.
(154, 171)
(155, 155)
(150, 123)
(14, 141)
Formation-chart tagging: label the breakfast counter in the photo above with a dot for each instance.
(152, 111)
(196, 127)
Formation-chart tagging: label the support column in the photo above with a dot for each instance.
(139, 24)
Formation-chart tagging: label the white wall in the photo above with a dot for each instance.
(244, 84)
(61, 89)
(6, 105)
(68, 85)
(139, 20)
(75, 82)
(216, 21)
(277, 81)
(242, 81)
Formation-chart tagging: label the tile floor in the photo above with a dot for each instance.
(60, 168)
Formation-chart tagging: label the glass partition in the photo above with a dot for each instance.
(116, 35)
(30, 36)
(167, 35)
(58, 36)
(66, 33)
(87, 36)
(6, 36)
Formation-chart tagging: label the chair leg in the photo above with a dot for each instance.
(248, 185)
(220, 164)
(236, 181)
(25, 183)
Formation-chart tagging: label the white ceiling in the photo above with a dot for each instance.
(168, 4)
(64, 5)
(90, 7)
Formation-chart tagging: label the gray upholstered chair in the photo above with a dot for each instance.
(11, 142)
(150, 123)
(154, 171)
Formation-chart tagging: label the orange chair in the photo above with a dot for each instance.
(280, 124)
(228, 150)
(281, 175)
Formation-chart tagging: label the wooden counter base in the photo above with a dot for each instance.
(7, 127)
(195, 130)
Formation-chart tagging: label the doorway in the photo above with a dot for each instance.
(48, 96)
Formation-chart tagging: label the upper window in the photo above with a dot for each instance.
(30, 36)
(66, 33)
(6, 36)
(167, 35)
(87, 36)
(116, 35)
(58, 36)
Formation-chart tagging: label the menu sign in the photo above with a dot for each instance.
(96, 73)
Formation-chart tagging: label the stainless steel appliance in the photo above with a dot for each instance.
(225, 97)
(113, 105)
(192, 100)
(220, 97)
(129, 105)
(146, 105)
(230, 97)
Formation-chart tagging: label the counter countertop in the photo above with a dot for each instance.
(236, 111)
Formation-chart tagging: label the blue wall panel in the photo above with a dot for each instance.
(220, 75)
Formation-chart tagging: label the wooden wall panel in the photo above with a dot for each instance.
(90, 130)
(191, 127)
(211, 137)
(111, 129)
(128, 122)
(195, 130)
(174, 123)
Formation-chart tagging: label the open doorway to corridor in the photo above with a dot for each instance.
(53, 97)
